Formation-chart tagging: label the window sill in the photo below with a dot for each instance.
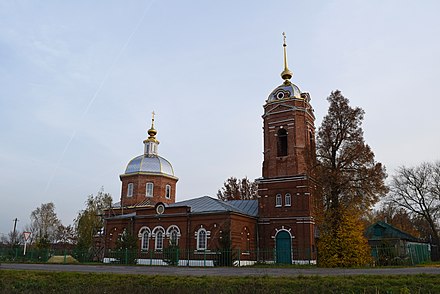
(201, 251)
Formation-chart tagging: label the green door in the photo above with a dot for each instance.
(284, 247)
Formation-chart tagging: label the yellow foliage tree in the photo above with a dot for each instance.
(343, 243)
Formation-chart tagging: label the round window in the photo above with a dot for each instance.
(280, 95)
(160, 209)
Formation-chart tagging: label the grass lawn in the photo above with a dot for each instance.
(67, 282)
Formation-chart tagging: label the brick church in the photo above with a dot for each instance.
(278, 226)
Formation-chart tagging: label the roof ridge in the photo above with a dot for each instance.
(397, 229)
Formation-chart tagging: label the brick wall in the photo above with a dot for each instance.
(139, 188)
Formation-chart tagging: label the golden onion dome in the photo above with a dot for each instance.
(152, 132)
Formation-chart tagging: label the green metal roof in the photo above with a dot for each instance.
(382, 231)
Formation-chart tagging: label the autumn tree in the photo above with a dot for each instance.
(234, 189)
(351, 180)
(45, 222)
(344, 245)
(90, 221)
(417, 190)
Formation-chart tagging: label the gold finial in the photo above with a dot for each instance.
(152, 132)
(286, 74)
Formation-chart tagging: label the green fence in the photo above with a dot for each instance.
(168, 256)
(410, 254)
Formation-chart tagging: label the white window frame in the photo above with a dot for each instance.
(168, 192)
(278, 200)
(145, 234)
(149, 192)
(202, 239)
(158, 244)
(173, 230)
(130, 189)
(159, 236)
(174, 236)
(288, 200)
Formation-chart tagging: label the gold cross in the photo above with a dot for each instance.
(152, 119)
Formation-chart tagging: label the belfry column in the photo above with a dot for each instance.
(286, 187)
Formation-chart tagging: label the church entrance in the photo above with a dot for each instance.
(284, 247)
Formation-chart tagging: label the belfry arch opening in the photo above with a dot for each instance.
(282, 142)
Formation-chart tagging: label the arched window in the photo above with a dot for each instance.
(158, 234)
(282, 142)
(159, 240)
(130, 190)
(174, 239)
(201, 239)
(288, 200)
(173, 233)
(149, 189)
(144, 234)
(167, 191)
(278, 201)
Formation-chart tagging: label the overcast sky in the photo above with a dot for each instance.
(79, 80)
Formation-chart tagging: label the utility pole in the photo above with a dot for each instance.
(13, 233)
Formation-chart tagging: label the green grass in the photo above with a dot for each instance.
(65, 282)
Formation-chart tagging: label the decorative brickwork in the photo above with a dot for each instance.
(286, 190)
(279, 227)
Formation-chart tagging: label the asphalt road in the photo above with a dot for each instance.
(219, 271)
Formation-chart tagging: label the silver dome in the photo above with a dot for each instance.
(285, 91)
(150, 164)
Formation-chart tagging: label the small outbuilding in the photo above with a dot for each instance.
(391, 246)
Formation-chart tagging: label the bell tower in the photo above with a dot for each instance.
(286, 188)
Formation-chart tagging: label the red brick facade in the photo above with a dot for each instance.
(284, 223)
(242, 230)
(286, 190)
(140, 181)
